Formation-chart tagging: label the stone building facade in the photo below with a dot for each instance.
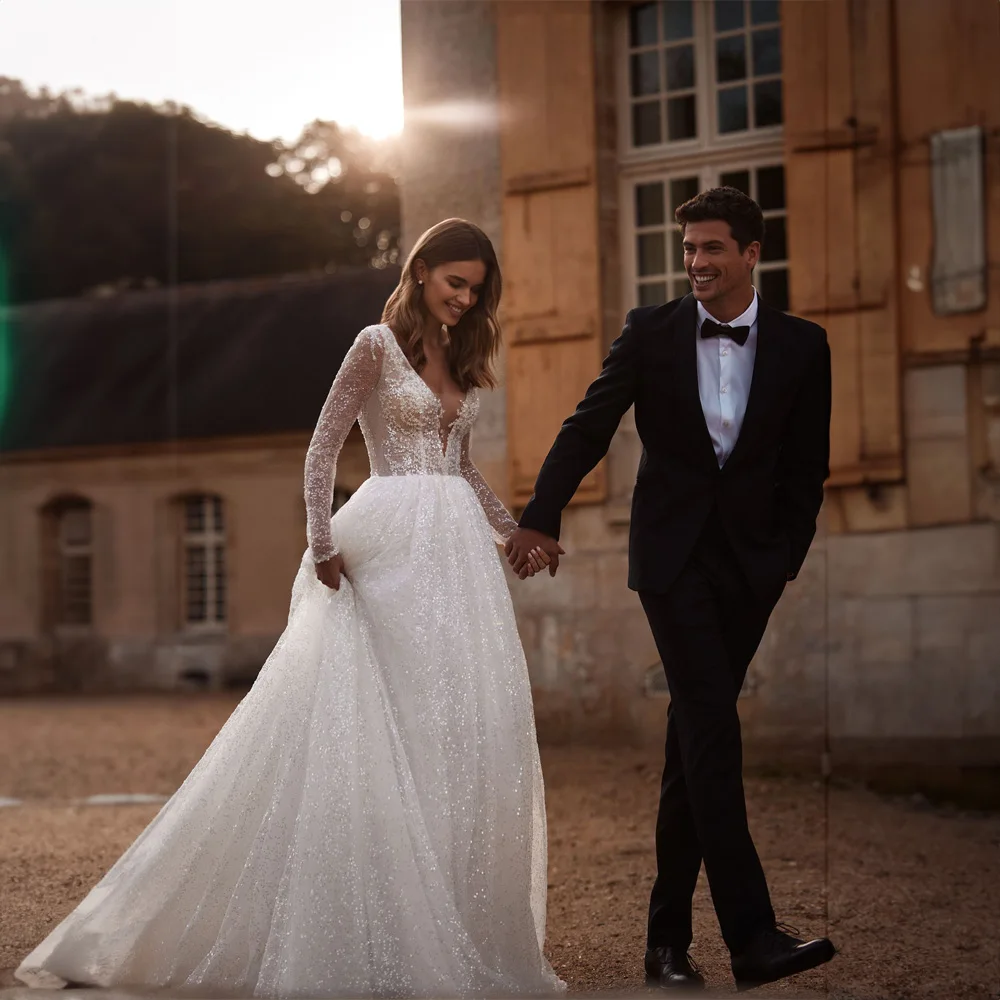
(151, 450)
(869, 130)
(151, 457)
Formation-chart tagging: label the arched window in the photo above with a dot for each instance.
(203, 565)
(68, 564)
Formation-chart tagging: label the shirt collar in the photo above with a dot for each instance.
(747, 318)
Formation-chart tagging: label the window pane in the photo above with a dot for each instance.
(764, 11)
(74, 604)
(739, 179)
(775, 240)
(771, 187)
(646, 124)
(682, 189)
(680, 67)
(728, 14)
(194, 514)
(676, 250)
(74, 525)
(217, 512)
(767, 103)
(220, 583)
(649, 204)
(766, 52)
(653, 293)
(76, 610)
(681, 121)
(731, 58)
(680, 288)
(773, 287)
(642, 24)
(733, 109)
(645, 73)
(651, 252)
(678, 19)
(195, 584)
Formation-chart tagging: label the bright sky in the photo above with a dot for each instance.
(264, 67)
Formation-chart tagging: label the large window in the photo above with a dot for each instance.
(68, 562)
(701, 88)
(700, 71)
(657, 258)
(74, 602)
(204, 566)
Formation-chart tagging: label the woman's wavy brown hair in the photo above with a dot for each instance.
(475, 339)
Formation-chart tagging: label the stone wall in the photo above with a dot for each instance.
(451, 154)
(136, 639)
(885, 651)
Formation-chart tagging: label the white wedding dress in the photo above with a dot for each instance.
(370, 820)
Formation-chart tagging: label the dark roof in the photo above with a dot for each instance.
(244, 358)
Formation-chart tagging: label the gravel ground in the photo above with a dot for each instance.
(914, 892)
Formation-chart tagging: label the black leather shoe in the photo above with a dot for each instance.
(776, 953)
(672, 969)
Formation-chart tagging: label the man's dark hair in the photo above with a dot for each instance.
(729, 204)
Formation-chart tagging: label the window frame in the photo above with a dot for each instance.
(707, 175)
(66, 550)
(706, 157)
(209, 539)
(708, 140)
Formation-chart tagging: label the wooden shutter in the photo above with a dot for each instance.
(840, 139)
(948, 59)
(552, 306)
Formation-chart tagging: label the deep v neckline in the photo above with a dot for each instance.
(444, 430)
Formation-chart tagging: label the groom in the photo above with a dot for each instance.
(732, 405)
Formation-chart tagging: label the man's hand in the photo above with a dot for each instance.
(521, 551)
(329, 572)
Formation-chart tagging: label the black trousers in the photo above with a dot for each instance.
(707, 627)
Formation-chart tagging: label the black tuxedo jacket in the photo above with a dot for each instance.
(770, 490)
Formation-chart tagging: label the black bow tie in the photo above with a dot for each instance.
(737, 333)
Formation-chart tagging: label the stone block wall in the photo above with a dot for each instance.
(886, 649)
(136, 640)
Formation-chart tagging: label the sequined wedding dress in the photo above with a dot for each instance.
(370, 820)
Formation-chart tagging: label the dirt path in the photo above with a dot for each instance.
(914, 898)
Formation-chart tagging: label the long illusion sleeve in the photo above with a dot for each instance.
(354, 383)
(498, 516)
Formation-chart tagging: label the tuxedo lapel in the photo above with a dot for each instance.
(684, 337)
(766, 368)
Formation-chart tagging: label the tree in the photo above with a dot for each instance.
(15, 100)
(126, 194)
(342, 166)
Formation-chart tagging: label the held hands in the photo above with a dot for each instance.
(329, 572)
(529, 552)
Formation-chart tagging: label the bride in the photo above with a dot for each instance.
(370, 820)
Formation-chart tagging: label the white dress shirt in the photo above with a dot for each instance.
(724, 373)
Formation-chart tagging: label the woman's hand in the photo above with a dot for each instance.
(538, 559)
(329, 572)
(530, 551)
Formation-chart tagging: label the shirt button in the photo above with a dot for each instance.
(724, 353)
(725, 423)
(725, 388)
